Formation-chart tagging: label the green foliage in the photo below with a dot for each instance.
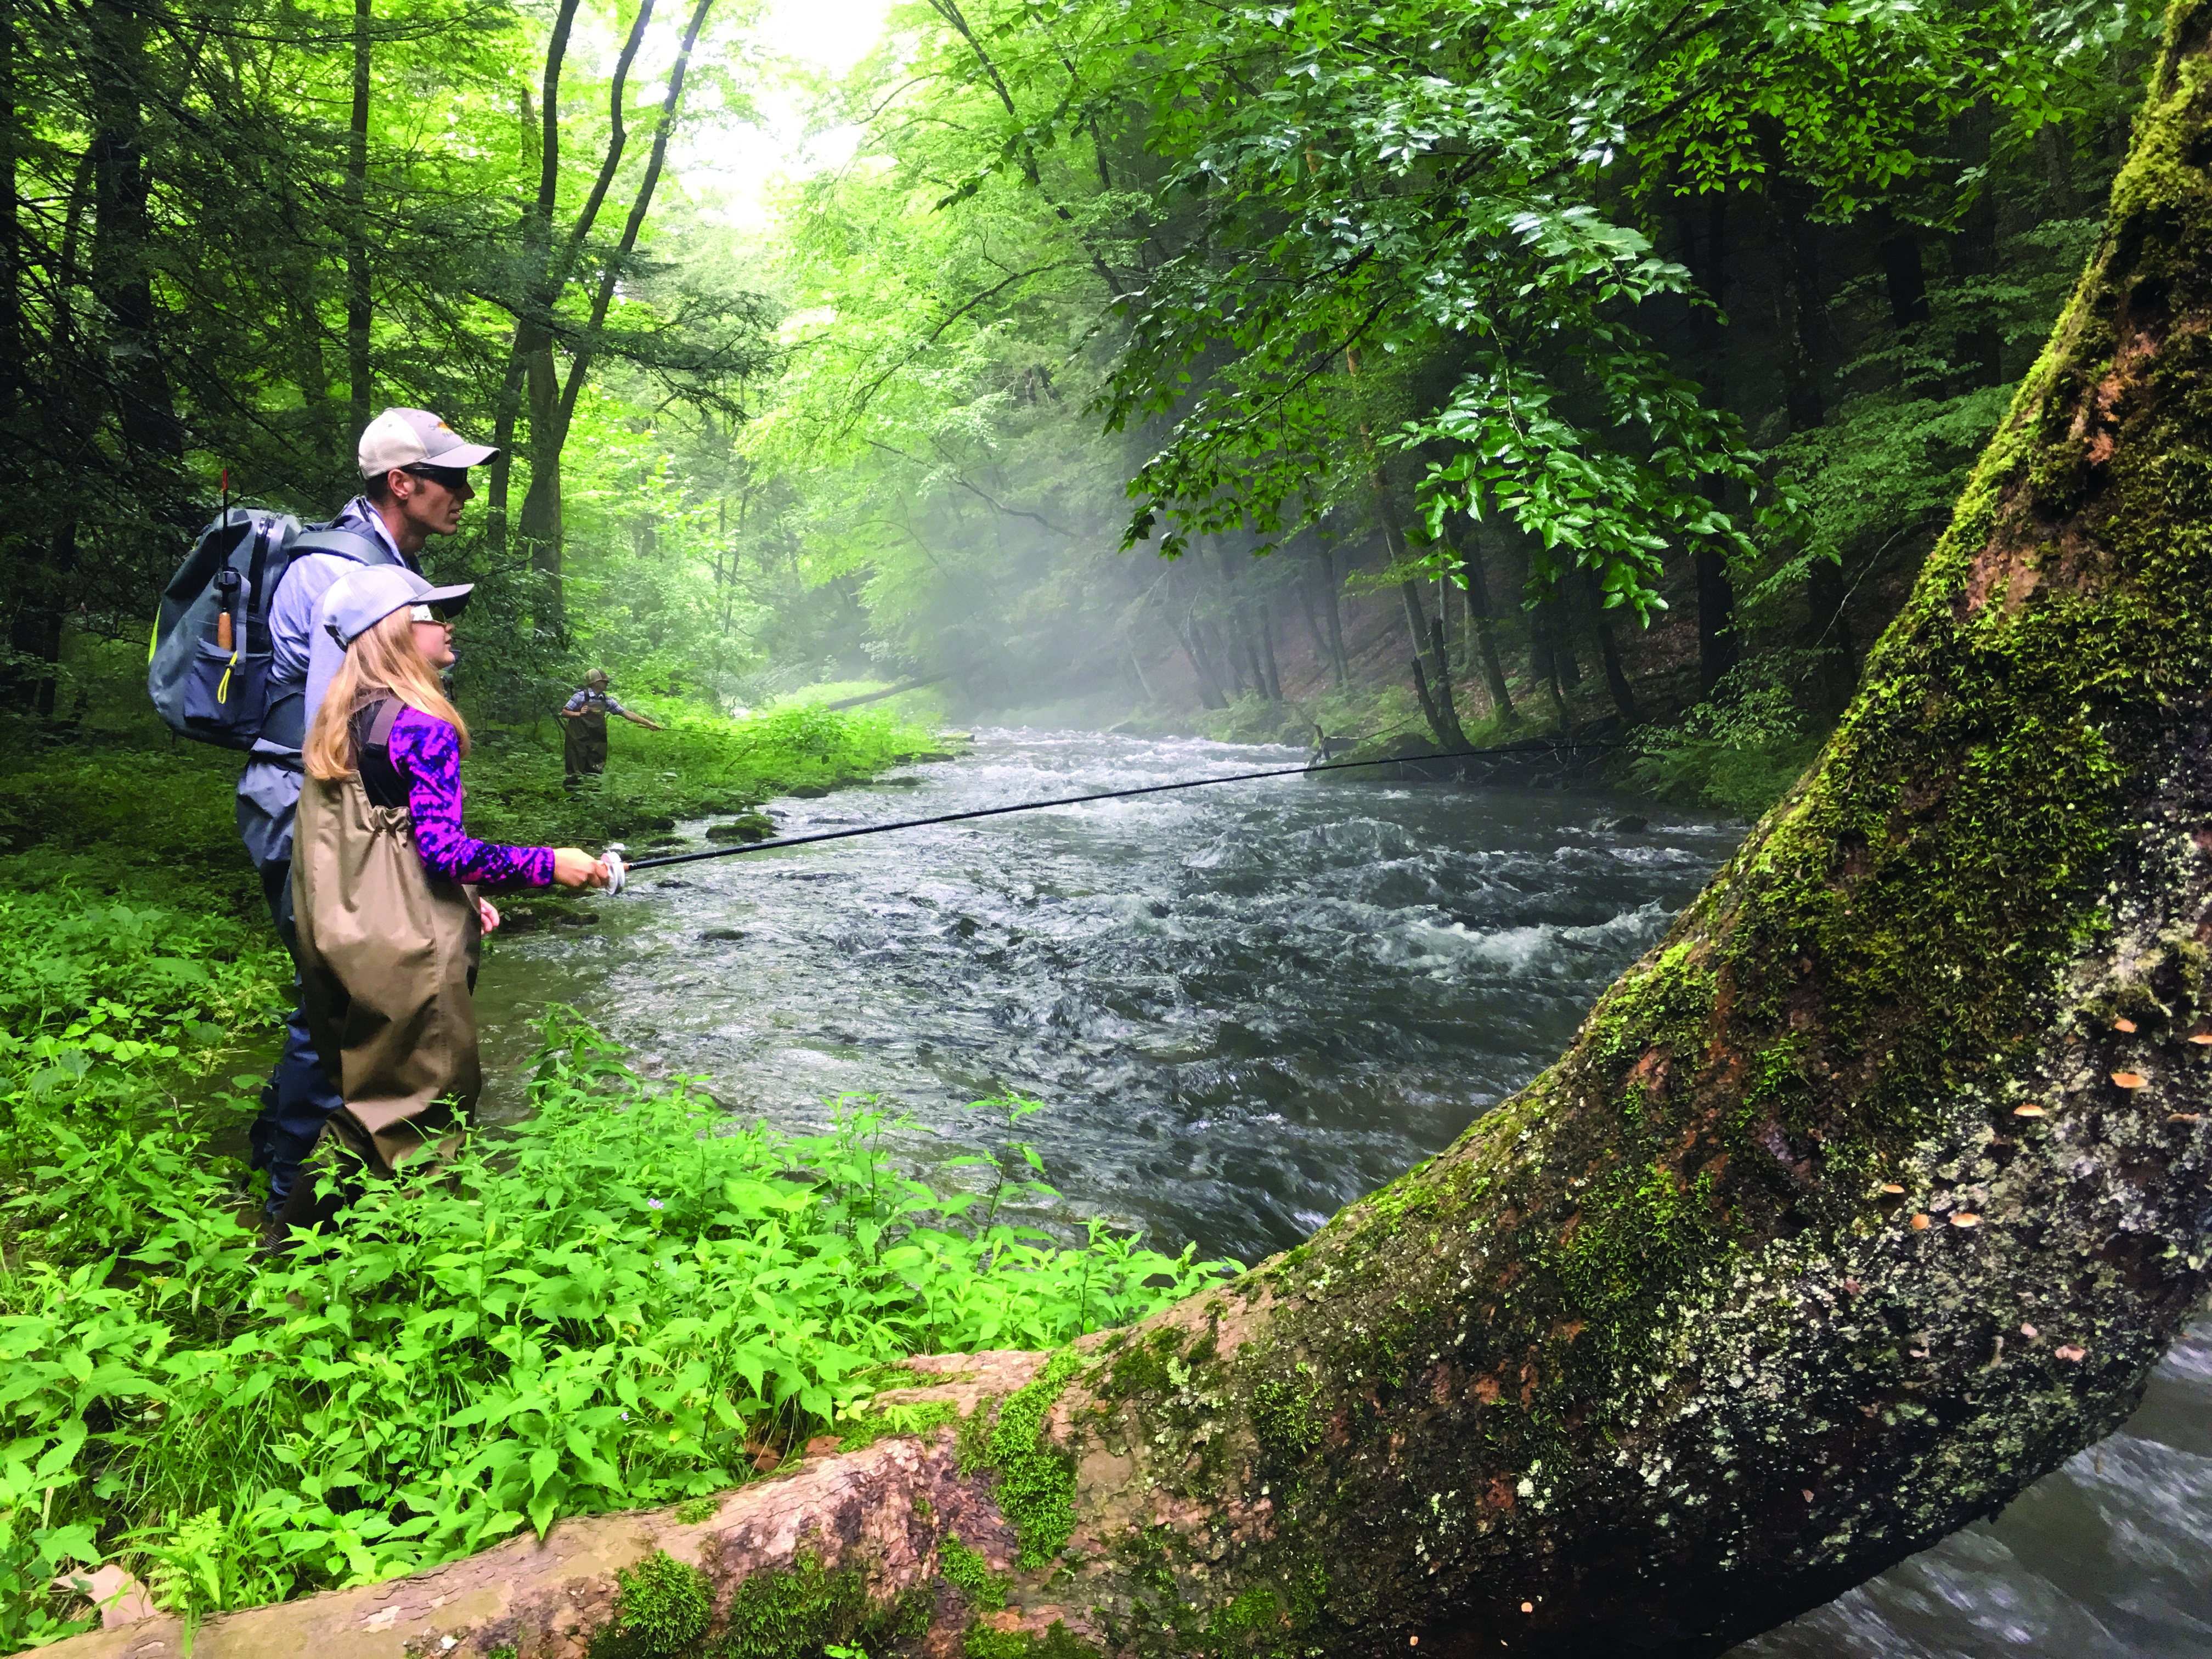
(1458, 217)
(866, 1424)
(661, 1608)
(811, 1610)
(986, 1590)
(1738, 751)
(95, 994)
(616, 1304)
(33, 1556)
(980, 1642)
(1037, 1479)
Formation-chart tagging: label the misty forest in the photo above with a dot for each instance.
(1671, 1121)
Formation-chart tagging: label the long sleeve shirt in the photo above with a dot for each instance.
(588, 702)
(300, 655)
(425, 752)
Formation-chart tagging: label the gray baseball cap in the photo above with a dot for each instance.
(415, 437)
(357, 602)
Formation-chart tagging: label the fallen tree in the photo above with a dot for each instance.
(1868, 1196)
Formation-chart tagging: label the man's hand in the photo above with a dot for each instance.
(487, 915)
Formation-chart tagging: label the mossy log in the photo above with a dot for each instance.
(1868, 1196)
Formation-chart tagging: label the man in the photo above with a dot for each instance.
(584, 737)
(414, 482)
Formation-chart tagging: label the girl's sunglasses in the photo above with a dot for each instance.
(431, 613)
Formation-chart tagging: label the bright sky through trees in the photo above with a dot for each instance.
(739, 161)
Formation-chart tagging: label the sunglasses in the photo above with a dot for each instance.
(431, 613)
(454, 479)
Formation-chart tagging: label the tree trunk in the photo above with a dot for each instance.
(1608, 650)
(2056, 149)
(580, 367)
(1433, 695)
(34, 623)
(356, 202)
(1210, 693)
(1802, 326)
(1979, 350)
(1333, 613)
(1549, 620)
(1485, 629)
(1268, 650)
(1248, 636)
(1220, 642)
(122, 237)
(540, 527)
(1705, 248)
(12, 374)
(532, 324)
(1313, 621)
(1851, 1211)
(1452, 737)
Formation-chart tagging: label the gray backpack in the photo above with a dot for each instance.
(207, 666)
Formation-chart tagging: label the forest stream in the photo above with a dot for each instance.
(1246, 1006)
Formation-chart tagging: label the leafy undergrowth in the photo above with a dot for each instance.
(100, 992)
(1738, 751)
(629, 1299)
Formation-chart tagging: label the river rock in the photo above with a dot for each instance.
(753, 826)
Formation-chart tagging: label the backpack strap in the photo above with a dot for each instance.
(346, 544)
(387, 715)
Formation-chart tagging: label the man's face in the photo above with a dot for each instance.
(431, 498)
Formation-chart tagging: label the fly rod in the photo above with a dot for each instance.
(620, 868)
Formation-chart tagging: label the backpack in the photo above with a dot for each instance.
(207, 666)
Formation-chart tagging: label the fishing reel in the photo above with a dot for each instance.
(617, 869)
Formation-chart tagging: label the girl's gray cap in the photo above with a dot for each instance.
(357, 602)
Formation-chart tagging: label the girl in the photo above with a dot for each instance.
(384, 876)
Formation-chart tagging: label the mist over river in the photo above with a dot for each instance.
(1246, 1006)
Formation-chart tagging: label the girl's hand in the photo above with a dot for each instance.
(574, 867)
(488, 915)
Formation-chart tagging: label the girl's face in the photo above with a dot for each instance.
(434, 640)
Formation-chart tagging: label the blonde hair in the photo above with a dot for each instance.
(383, 661)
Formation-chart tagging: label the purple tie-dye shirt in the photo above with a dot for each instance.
(428, 752)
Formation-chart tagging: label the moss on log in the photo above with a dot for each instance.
(1869, 1195)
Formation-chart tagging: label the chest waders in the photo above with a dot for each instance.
(584, 743)
(387, 959)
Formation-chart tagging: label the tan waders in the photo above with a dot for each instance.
(387, 957)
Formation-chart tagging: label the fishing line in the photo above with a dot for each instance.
(623, 867)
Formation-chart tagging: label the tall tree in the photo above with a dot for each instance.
(358, 292)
